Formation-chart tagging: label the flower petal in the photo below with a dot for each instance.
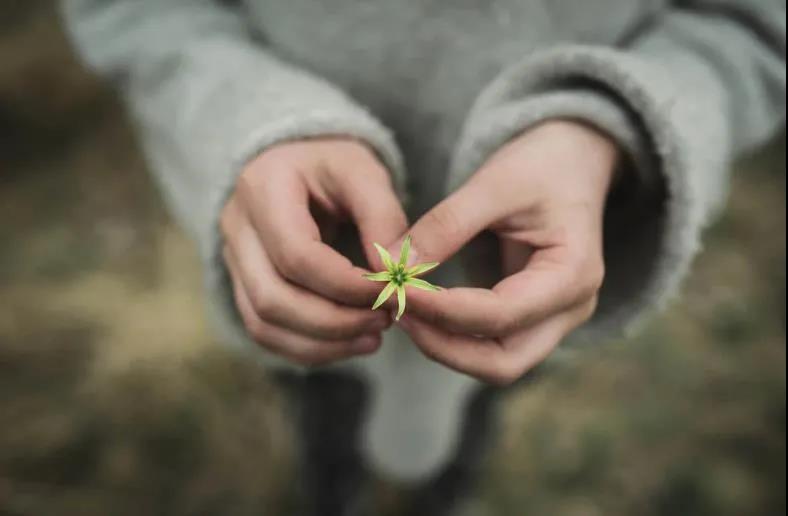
(378, 276)
(384, 295)
(421, 268)
(384, 256)
(401, 302)
(423, 285)
(404, 252)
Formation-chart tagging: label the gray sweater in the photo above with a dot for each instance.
(436, 86)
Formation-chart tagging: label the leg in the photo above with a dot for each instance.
(457, 482)
(330, 410)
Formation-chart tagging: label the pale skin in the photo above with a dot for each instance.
(298, 297)
(543, 194)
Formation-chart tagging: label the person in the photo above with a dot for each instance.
(539, 146)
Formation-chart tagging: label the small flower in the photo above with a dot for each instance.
(398, 276)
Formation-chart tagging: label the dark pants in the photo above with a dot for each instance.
(330, 413)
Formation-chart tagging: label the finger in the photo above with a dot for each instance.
(367, 194)
(278, 205)
(474, 356)
(286, 305)
(500, 362)
(299, 349)
(532, 346)
(453, 222)
(550, 284)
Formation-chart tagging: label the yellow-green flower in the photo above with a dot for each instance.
(398, 275)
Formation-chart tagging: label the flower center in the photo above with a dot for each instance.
(399, 275)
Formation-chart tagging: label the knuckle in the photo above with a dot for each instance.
(445, 222)
(445, 218)
(247, 182)
(275, 158)
(337, 330)
(262, 304)
(433, 314)
(257, 332)
(579, 281)
(592, 280)
(598, 275)
(590, 309)
(504, 322)
(291, 260)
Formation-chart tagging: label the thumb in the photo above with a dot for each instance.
(453, 222)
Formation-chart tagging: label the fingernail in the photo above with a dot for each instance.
(394, 250)
(413, 259)
(366, 343)
(413, 256)
(404, 322)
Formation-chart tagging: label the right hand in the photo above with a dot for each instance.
(298, 297)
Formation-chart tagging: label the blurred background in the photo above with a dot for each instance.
(115, 400)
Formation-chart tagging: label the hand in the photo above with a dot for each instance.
(297, 296)
(543, 195)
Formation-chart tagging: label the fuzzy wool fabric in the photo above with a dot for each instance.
(435, 87)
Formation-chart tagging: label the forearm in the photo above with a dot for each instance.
(207, 97)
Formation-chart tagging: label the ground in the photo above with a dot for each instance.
(114, 398)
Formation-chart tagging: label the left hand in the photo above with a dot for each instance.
(543, 194)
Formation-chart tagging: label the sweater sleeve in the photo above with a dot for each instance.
(683, 96)
(207, 97)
